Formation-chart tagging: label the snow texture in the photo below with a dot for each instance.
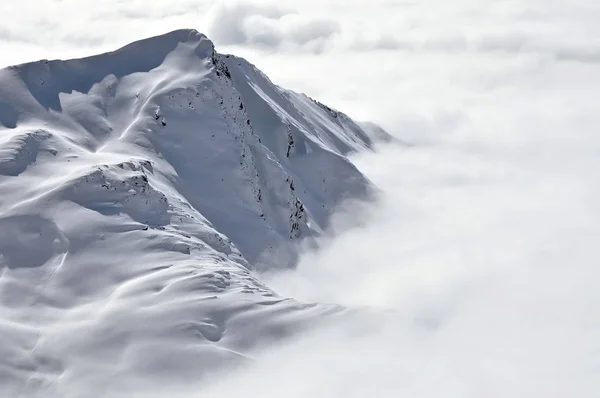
(138, 191)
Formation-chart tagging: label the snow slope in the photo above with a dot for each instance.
(138, 189)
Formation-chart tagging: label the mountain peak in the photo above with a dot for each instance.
(46, 80)
(155, 174)
(168, 41)
(143, 49)
(184, 34)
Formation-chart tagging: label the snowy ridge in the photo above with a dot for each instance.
(137, 188)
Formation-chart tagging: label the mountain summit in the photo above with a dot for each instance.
(138, 189)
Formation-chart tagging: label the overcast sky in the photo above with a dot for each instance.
(485, 240)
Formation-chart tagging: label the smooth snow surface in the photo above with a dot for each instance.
(138, 190)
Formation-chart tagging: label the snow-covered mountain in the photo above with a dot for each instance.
(138, 189)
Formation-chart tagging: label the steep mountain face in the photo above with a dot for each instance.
(138, 188)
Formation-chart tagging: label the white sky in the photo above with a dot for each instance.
(489, 226)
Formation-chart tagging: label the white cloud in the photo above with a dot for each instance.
(267, 26)
(227, 22)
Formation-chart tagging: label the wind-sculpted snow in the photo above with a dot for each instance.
(20, 151)
(138, 190)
